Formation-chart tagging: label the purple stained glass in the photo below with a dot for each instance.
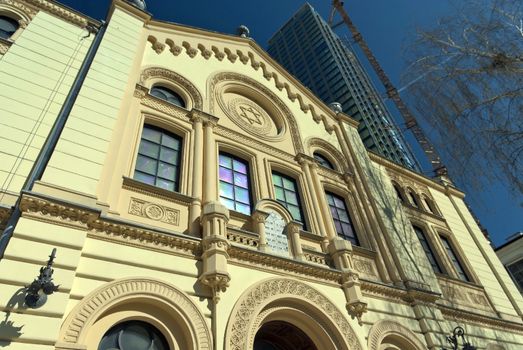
(241, 180)
(225, 161)
(334, 213)
(338, 227)
(239, 167)
(226, 175)
(347, 229)
(226, 190)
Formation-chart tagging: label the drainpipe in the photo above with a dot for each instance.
(54, 135)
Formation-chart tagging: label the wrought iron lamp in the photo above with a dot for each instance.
(453, 340)
(42, 286)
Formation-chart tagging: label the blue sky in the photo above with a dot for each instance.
(388, 26)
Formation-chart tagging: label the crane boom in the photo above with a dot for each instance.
(410, 121)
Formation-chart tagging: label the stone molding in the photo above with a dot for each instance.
(31, 7)
(335, 155)
(472, 318)
(175, 78)
(240, 328)
(287, 115)
(101, 300)
(384, 328)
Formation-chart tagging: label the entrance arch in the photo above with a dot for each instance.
(293, 305)
(279, 335)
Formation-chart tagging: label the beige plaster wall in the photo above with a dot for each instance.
(36, 74)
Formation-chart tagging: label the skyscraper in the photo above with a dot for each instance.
(308, 48)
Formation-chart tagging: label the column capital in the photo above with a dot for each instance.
(197, 116)
(304, 159)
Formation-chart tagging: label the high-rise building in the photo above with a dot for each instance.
(308, 48)
(199, 197)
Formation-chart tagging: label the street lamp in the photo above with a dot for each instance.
(453, 340)
(42, 286)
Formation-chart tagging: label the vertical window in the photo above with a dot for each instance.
(413, 199)
(286, 192)
(341, 217)
(428, 250)
(454, 258)
(8, 27)
(234, 183)
(398, 192)
(158, 161)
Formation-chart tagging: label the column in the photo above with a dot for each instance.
(196, 191)
(316, 221)
(210, 176)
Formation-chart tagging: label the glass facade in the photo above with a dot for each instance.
(313, 53)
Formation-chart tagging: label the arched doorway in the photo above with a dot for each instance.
(279, 335)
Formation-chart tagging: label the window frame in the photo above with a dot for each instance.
(324, 159)
(9, 16)
(170, 88)
(181, 138)
(458, 252)
(356, 241)
(435, 253)
(250, 188)
(298, 191)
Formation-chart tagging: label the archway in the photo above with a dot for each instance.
(279, 335)
(390, 335)
(293, 306)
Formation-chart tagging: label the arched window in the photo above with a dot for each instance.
(427, 248)
(8, 27)
(234, 183)
(413, 199)
(133, 335)
(341, 217)
(398, 192)
(167, 95)
(158, 161)
(324, 162)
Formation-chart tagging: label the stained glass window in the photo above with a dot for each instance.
(286, 192)
(454, 258)
(234, 183)
(158, 161)
(167, 95)
(341, 217)
(324, 162)
(428, 250)
(133, 335)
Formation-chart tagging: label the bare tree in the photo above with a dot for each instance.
(467, 75)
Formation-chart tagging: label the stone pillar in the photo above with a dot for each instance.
(259, 218)
(210, 176)
(215, 245)
(293, 232)
(197, 173)
(341, 253)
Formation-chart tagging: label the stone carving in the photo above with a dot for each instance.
(249, 116)
(156, 72)
(277, 241)
(240, 335)
(364, 266)
(235, 77)
(157, 46)
(383, 328)
(153, 211)
(173, 48)
(99, 301)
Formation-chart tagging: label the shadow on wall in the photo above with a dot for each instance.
(8, 330)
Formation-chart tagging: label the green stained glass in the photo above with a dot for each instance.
(243, 208)
(229, 203)
(277, 180)
(241, 195)
(291, 197)
(289, 184)
(295, 212)
(279, 194)
(226, 190)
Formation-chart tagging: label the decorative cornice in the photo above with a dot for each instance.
(57, 10)
(156, 192)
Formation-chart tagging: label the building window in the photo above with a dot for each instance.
(158, 161)
(234, 183)
(286, 192)
(516, 272)
(324, 162)
(413, 199)
(454, 259)
(167, 95)
(398, 192)
(133, 335)
(341, 217)
(428, 250)
(8, 27)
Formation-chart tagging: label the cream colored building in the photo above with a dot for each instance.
(200, 197)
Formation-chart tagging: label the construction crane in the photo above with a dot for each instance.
(410, 121)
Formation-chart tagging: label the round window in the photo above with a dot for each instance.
(133, 335)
